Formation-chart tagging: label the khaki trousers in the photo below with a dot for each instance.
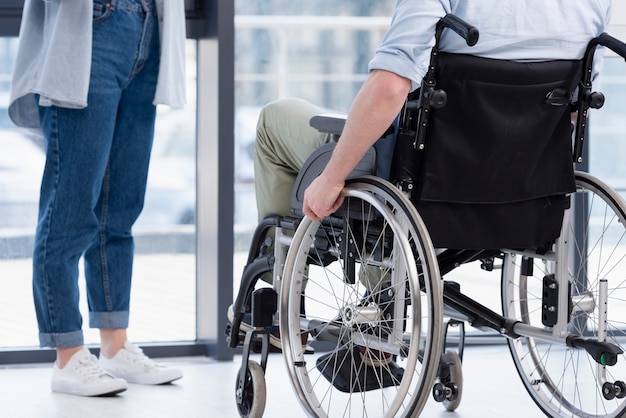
(284, 140)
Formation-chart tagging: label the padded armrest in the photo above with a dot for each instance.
(314, 166)
(328, 123)
(333, 124)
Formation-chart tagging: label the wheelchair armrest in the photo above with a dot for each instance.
(333, 124)
(328, 123)
(314, 166)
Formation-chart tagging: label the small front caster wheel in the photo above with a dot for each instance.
(439, 392)
(608, 390)
(251, 395)
(620, 389)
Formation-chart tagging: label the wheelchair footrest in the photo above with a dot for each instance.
(603, 353)
(347, 372)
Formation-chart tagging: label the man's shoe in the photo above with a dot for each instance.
(245, 326)
(131, 364)
(356, 370)
(83, 376)
(273, 331)
(374, 358)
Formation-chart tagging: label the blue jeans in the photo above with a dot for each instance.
(95, 178)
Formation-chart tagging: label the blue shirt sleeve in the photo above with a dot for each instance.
(405, 49)
(518, 30)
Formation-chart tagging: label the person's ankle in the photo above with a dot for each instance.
(112, 341)
(110, 350)
(64, 354)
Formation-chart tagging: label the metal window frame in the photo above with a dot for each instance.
(10, 16)
(200, 21)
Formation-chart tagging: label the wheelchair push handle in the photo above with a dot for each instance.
(612, 43)
(431, 97)
(586, 97)
(461, 27)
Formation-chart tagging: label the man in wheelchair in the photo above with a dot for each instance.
(510, 30)
(527, 49)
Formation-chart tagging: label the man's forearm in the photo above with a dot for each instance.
(374, 110)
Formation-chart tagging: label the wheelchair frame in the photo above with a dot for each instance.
(414, 297)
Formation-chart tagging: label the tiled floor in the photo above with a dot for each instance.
(164, 286)
(490, 389)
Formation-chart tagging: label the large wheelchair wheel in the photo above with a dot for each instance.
(365, 285)
(564, 381)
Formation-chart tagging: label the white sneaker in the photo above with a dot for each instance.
(131, 364)
(83, 376)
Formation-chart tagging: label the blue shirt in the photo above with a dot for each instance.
(519, 30)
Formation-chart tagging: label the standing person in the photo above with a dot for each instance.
(89, 75)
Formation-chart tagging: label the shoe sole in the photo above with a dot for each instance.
(155, 378)
(59, 388)
(143, 381)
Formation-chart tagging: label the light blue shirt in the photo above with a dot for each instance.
(518, 30)
(54, 57)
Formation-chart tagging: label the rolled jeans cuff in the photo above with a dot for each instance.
(61, 340)
(108, 320)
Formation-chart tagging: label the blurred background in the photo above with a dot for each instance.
(316, 50)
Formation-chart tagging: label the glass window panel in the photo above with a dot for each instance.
(318, 51)
(607, 148)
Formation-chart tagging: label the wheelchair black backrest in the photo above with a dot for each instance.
(496, 166)
(484, 147)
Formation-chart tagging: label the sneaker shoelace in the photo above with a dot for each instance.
(138, 357)
(89, 369)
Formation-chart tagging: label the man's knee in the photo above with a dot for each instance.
(272, 118)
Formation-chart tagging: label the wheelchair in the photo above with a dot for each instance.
(360, 302)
